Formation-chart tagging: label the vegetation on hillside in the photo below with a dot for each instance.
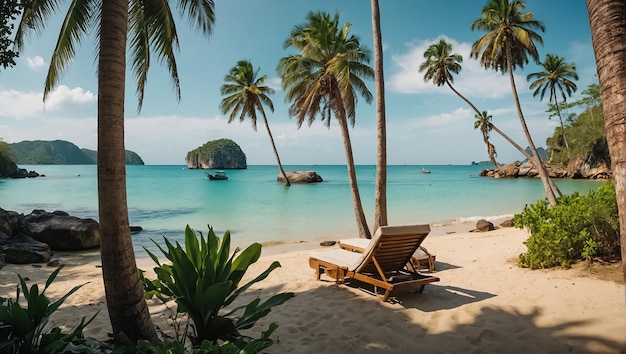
(7, 161)
(59, 152)
(585, 133)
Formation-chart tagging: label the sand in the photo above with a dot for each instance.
(484, 303)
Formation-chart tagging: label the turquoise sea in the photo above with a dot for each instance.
(256, 208)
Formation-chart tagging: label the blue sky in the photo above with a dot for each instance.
(425, 124)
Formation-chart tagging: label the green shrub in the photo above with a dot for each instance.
(22, 330)
(578, 227)
(203, 279)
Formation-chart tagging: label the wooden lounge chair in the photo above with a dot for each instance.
(385, 263)
(422, 259)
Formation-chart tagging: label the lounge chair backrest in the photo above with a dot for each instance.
(393, 246)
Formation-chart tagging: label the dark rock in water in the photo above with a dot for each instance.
(483, 225)
(328, 243)
(23, 173)
(22, 249)
(301, 177)
(61, 231)
(135, 229)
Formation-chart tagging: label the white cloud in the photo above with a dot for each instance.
(35, 62)
(63, 96)
(20, 104)
(275, 84)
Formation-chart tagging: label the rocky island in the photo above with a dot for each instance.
(217, 154)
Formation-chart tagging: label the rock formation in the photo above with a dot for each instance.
(34, 237)
(301, 177)
(576, 169)
(217, 154)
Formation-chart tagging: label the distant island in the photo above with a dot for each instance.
(220, 154)
(60, 152)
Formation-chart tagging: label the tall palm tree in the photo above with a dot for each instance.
(608, 36)
(245, 95)
(483, 122)
(380, 205)
(557, 75)
(509, 40)
(152, 30)
(324, 79)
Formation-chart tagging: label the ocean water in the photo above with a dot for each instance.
(256, 208)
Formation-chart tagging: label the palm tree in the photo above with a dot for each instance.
(509, 41)
(380, 205)
(483, 121)
(557, 75)
(324, 79)
(608, 36)
(151, 28)
(245, 95)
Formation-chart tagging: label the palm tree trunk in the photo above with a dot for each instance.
(128, 310)
(491, 157)
(608, 36)
(543, 173)
(269, 132)
(558, 112)
(380, 207)
(361, 221)
(554, 187)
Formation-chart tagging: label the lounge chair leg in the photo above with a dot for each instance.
(421, 290)
(386, 296)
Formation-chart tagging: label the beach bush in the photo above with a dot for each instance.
(203, 280)
(23, 329)
(579, 227)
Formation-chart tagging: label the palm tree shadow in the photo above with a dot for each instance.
(332, 319)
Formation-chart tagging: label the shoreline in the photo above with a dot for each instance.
(483, 303)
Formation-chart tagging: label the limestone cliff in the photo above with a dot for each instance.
(217, 154)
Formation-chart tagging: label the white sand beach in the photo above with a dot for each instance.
(484, 302)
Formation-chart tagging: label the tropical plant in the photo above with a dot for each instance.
(203, 279)
(380, 194)
(324, 79)
(557, 76)
(253, 346)
(245, 94)
(608, 36)
(9, 11)
(151, 28)
(509, 41)
(23, 329)
(579, 227)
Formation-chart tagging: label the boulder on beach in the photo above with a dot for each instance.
(61, 231)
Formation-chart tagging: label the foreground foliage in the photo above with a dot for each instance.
(579, 227)
(23, 329)
(203, 279)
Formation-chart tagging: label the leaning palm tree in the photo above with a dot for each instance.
(439, 66)
(608, 36)
(380, 205)
(509, 41)
(483, 122)
(557, 75)
(151, 28)
(324, 79)
(245, 95)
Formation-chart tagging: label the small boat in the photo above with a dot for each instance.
(425, 170)
(219, 175)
